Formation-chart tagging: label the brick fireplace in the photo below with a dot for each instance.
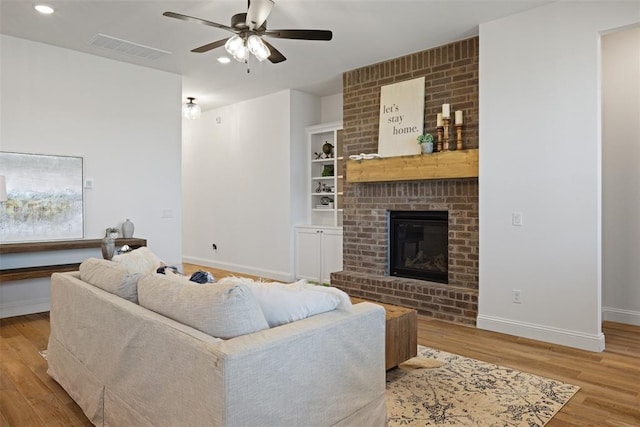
(451, 74)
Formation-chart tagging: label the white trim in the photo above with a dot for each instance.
(20, 308)
(619, 315)
(274, 275)
(564, 337)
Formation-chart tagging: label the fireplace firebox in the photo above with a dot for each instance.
(418, 245)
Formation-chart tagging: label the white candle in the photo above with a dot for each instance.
(459, 117)
(439, 120)
(445, 111)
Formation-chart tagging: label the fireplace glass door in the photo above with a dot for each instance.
(418, 245)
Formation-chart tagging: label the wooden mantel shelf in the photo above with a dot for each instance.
(442, 165)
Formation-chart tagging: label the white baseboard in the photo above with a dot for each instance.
(274, 275)
(621, 316)
(542, 333)
(20, 308)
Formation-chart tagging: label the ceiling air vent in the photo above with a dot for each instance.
(126, 47)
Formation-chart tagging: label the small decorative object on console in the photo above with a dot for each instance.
(124, 249)
(112, 232)
(108, 245)
(127, 229)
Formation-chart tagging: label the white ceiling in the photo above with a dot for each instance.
(364, 32)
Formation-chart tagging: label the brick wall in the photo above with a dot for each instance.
(451, 76)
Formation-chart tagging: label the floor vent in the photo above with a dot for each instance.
(126, 47)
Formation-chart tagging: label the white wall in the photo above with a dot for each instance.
(241, 183)
(124, 120)
(540, 155)
(331, 108)
(621, 176)
(305, 111)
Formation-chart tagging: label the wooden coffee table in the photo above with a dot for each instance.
(401, 336)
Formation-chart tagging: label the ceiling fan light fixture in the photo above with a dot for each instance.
(234, 45)
(258, 48)
(241, 54)
(191, 110)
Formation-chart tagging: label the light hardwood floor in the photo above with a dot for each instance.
(609, 381)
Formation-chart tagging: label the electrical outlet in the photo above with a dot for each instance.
(516, 296)
(516, 219)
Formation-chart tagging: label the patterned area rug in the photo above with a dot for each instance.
(439, 388)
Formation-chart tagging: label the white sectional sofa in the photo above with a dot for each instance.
(126, 365)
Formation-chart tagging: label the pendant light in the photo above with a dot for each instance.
(191, 110)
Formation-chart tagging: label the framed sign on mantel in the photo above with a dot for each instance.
(401, 118)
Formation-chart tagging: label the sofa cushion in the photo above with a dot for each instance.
(284, 303)
(222, 311)
(111, 277)
(140, 260)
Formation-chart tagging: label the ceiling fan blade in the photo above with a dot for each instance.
(325, 35)
(198, 21)
(210, 46)
(258, 12)
(275, 56)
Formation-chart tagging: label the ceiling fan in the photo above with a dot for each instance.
(249, 29)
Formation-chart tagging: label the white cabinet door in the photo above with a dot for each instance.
(318, 253)
(331, 253)
(307, 254)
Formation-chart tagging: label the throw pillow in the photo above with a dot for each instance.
(140, 260)
(222, 311)
(284, 303)
(111, 277)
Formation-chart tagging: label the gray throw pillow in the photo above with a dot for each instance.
(222, 311)
(111, 277)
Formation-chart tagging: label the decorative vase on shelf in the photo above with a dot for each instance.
(327, 149)
(427, 147)
(108, 245)
(127, 229)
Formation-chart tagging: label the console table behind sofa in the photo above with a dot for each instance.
(11, 274)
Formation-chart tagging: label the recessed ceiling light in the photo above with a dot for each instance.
(44, 9)
(224, 60)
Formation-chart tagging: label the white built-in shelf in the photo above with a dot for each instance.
(319, 135)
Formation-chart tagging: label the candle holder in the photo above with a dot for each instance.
(446, 133)
(459, 137)
(440, 133)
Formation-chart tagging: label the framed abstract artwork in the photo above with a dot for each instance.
(44, 198)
